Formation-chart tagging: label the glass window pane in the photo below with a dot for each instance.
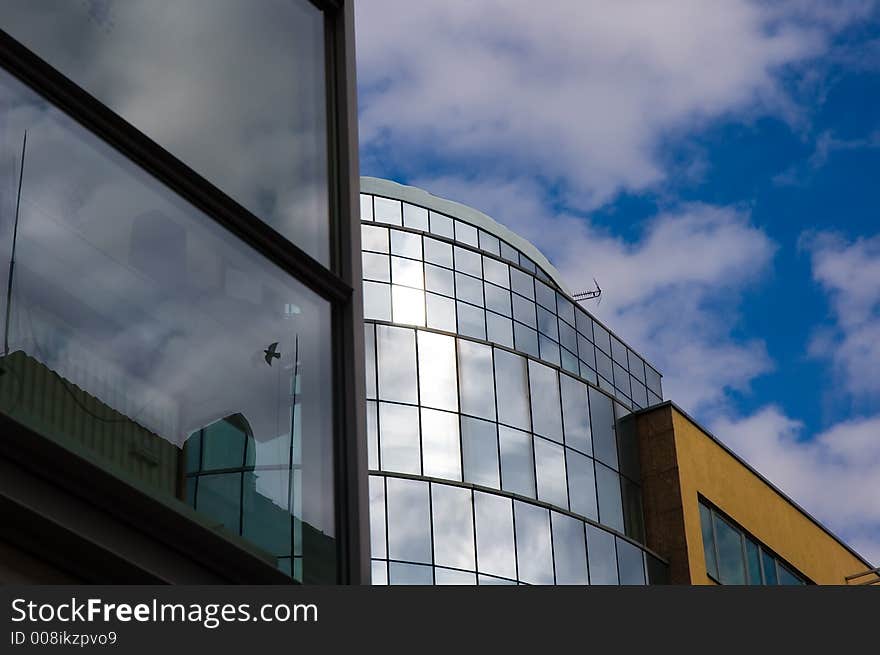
(468, 289)
(396, 350)
(569, 550)
(471, 321)
(565, 309)
(547, 323)
(582, 485)
(576, 414)
(602, 557)
(652, 378)
(374, 238)
(584, 324)
(731, 567)
(466, 233)
(525, 339)
(753, 562)
(545, 296)
(409, 520)
(387, 210)
(786, 575)
(512, 389)
(489, 243)
(602, 427)
(509, 252)
(768, 565)
(379, 573)
(708, 541)
(373, 434)
(438, 252)
(493, 516)
(441, 225)
(476, 382)
(604, 366)
(636, 366)
(408, 305)
(479, 442)
(517, 463)
(524, 311)
(437, 375)
(549, 350)
(546, 407)
(658, 572)
(499, 329)
(630, 563)
(522, 283)
(468, 261)
(366, 207)
(496, 272)
(550, 472)
(415, 217)
(376, 267)
(497, 299)
(377, 301)
(406, 244)
(450, 577)
(399, 438)
(440, 312)
(407, 272)
(452, 509)
(568, 337)
(410, 574)
(533, 552)
(441, 450)
(602, 338)
(377, 517)
(610, 506)
(258, 92)
(439, 280)
(618, 351)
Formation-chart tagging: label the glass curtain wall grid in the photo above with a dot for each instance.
(498, 453)
(733, 557)
(178, 243)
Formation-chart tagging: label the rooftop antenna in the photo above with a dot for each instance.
(589, 295)
(12, 256)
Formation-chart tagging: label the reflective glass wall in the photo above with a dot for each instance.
(499, 445)
(192, 360)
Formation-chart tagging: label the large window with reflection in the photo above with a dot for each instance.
(137, 331)
(237, 94)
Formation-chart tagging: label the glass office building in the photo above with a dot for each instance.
(180, 274)
(501, 448)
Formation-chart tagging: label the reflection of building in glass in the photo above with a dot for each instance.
(148, 274)
(514, 439)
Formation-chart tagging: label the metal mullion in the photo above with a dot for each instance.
(179, 178)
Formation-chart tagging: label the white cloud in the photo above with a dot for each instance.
(834, 475)
(849, 272)
(580, 93)
(671, 294)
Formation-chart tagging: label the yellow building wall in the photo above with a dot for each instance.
(708, 469)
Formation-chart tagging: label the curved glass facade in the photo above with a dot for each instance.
(499, 448)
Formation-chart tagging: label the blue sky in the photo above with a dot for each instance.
(716, 166)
